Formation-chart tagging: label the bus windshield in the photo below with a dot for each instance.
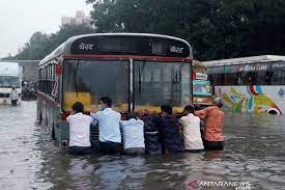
(9, 81)
(155, 83)
(160, 83)
(88, 80)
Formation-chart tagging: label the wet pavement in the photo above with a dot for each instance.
(254, 155)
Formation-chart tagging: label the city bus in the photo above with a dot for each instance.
(11, 74)
(137, 71)
(250, 84)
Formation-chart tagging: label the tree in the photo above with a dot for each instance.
(216, 28)
(35, 48)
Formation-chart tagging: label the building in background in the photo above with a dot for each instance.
(79, 19)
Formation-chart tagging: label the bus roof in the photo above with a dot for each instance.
(245, 60)
(66, 47)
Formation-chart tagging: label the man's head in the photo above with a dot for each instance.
(166, 110)
(105, 102)
(78, 107)
(189, 109)
(13, 88)
(132, 116)
(218, 102)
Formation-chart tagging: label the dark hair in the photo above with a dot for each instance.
(166, 109)
(132, 116)
(190, 109)
(78, 107)
(197, 107)
(107, 101)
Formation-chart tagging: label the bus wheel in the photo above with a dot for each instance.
(53, 133)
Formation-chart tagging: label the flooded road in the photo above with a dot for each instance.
(254, 155)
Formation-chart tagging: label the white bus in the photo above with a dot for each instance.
(10, 76)
(250, 84)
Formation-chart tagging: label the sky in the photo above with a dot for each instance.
(19, 19)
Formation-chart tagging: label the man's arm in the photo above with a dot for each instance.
(95, 116)
(202, 113)
(70, 116)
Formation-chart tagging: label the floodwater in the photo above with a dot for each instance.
(254, 157)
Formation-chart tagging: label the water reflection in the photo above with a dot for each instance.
(20, 157)
(254, 152)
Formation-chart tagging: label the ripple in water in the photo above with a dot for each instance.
(254, 153)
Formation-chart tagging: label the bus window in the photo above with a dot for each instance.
(278, 77)
(230, 78)
(268, 77)
(217, 79)
(90, 80)
(166, 74)
(250, 78)
(165, 83)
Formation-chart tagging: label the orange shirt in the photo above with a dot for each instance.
(214, 123)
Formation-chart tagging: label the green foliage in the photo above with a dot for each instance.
(216, 28)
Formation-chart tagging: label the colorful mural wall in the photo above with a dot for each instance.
(253, 99)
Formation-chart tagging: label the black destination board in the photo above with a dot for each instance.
(130, 45)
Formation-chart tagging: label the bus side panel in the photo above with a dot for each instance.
(62, 133)
(51, 118)
(253, 98)
(39, 110)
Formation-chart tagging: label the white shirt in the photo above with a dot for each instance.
(133, 133)
(14, 95)
(191, 132)
(79, 129)
(109, 125)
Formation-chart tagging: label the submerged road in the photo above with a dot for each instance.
(254, 156)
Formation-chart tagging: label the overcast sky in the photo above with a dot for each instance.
(19, 19)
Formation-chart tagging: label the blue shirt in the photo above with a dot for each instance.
(109, 125)
(133, 133)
